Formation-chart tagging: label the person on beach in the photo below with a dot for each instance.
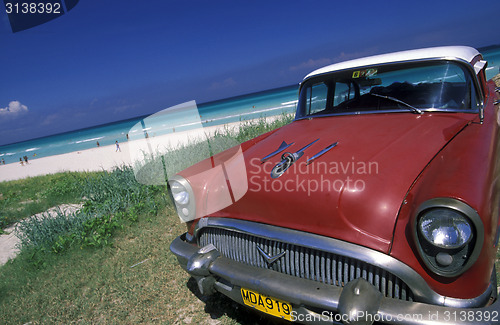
(21, 161)
(117, 146)
(26, 159)
(98, 144)
(3, 161)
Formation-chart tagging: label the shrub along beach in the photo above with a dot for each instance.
(109, 261)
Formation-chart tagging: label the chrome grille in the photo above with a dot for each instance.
(303, 262)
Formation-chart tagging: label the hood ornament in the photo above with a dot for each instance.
(282, 147)
(270, 259)
(288, 159)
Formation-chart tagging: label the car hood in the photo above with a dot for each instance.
(352, 192)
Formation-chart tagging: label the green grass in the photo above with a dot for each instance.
(26, 197)
(89, 286)
(113, 200)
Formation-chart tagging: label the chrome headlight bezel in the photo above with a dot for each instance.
(448, 257)
(182, 195)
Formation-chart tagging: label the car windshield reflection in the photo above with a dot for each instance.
(415, 87)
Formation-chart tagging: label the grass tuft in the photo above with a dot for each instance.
(22, 198)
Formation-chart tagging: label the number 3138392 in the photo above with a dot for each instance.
(471, 316)
(33, 8)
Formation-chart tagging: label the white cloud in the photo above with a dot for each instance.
(226, 83)
(14, 109)
(311, 64)
(343, 56)
(49, 119)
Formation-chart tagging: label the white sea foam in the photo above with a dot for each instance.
(88, 140)
(288, 104)
(31, 149)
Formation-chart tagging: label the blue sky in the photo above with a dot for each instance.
(110, 60)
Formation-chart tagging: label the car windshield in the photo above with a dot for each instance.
(410, 87)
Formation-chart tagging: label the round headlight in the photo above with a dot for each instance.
(179, 193)
(183, 196)
(445, 228)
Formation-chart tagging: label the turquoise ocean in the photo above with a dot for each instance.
(246, 107)
(262, 104)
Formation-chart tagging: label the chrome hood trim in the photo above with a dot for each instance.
(321, 153)
(282, 147)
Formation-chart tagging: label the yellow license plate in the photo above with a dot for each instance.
(266, 304)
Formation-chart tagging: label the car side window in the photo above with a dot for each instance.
(343, 92)
(317, 96)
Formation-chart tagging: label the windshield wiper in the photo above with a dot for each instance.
(413, 108)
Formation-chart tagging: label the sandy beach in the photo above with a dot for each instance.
(100, 158)
(107, 157)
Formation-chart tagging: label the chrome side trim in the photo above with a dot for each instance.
(422, 292)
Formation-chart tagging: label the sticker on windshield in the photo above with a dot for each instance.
(370, 72)
(364, 73)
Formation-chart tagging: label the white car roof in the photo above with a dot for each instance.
(461, 52)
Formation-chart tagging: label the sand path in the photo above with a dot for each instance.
(9, 242)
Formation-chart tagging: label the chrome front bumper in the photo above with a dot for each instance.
(358, 302)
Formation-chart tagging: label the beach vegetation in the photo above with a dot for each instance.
(112, 200)
(26, 197)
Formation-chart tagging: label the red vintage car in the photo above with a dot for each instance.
(378, 203)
